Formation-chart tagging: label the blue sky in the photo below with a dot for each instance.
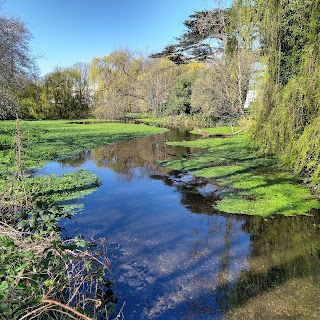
(70, 31)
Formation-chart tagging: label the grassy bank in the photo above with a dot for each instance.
(250, 184)
(44, 141)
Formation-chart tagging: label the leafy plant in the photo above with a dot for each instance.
(49, 278)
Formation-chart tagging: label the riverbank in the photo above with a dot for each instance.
(249, 184)
(43, 141)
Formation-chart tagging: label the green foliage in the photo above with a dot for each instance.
(250, 184)
(114, 78)
(180, 94)
(13, 263)
(31, 270)
(56, 270)
(42, 218)
(61, 94)
(220, 38)
(285, 117)
(193, 44)
(35, 264)
(307, 153)
(155, 83)
(209, 96)
(50, 194)
(63, 187)
(66, 94)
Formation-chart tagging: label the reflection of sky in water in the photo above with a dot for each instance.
(166, 260)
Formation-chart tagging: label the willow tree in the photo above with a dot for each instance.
(65, 93)
(114, 81)
(286, 117)
(156, 82)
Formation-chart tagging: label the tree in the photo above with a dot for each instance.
(155, 84)
(216, 37)
(179, 100)
(29, 100)
(81, 90)
(206, 98)
(66, 93)
(16, 63)
(286, 117)
(114, 79)
(206, 30)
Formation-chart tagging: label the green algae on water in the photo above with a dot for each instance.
(251, 184)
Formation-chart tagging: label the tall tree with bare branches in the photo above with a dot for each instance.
(16, 63)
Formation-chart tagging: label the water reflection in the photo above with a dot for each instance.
(198, 195)
(284, 262)
(125, 157)
(174, 256)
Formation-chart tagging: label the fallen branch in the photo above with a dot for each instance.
(63, 306)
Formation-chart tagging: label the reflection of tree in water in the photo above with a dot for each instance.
(224, 276)
(217, 299)
(132, 159)
(283, 250)
(282, 277)
(76, 160)
(137, 158)
(198, 195)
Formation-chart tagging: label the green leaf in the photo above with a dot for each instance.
(48, 283)
(3, 307)
(45, 218)
(82, 244)
(22, 224)
(4, 286)
(32, 223)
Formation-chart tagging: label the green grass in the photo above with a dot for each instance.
(252, 184)
(220, 130)
(44, 141)
(155, 121)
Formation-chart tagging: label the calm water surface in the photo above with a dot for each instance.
(174, 256)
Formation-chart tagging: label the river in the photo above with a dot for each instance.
(174, 256)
